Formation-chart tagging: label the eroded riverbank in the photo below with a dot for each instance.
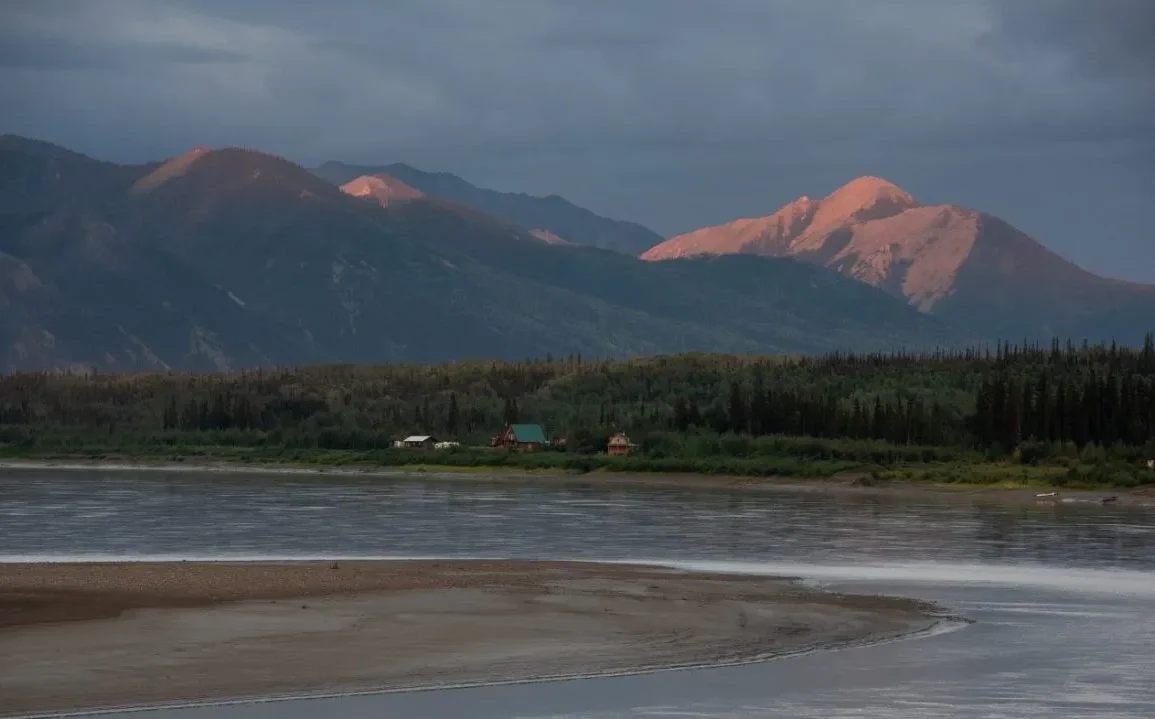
(90, 635)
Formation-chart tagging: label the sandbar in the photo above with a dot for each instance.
(79, 636)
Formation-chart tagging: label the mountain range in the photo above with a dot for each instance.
(222, 259)
(972, 270)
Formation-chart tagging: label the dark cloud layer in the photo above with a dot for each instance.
(676, 113)
(50, 53)
(1101, 38)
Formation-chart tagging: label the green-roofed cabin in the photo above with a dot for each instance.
(524, 437)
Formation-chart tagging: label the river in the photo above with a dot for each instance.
(1060, 595)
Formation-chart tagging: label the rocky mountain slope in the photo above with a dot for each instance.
(227, 259)
(551, 217)
(965, 266)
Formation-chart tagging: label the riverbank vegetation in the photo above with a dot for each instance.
(1052, 416)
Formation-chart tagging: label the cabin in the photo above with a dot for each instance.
(419, 441)
(524, 437)
(619, 445)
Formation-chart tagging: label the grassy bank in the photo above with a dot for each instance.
(869, 463)
(473, 461)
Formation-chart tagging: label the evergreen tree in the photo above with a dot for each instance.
(736, 408)
(452, 416)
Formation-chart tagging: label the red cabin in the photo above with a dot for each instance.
(619, 445)
(523, 437)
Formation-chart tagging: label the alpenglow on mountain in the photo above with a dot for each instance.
(554, 219)
(230, 258)
(971, 269)
(387, 191)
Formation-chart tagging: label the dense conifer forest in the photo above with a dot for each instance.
(1083, 408)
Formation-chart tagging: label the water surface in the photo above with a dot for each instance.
(1061, 594)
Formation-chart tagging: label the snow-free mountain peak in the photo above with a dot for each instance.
(864, 198)
(957, 263)
(381, 188)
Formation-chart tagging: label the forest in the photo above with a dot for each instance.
(1061, 413)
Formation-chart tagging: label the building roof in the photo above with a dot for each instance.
(620, 439)
(528, 433)
(418, 438)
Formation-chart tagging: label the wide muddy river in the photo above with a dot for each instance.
(1061, 596)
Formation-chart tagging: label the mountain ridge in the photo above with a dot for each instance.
(944, 259)
(389, 192)
(230, 258)
(551, 214)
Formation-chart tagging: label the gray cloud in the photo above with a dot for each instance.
(676, 113)
(50, 53)
(1107, 38)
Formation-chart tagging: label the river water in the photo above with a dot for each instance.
(1061, 595)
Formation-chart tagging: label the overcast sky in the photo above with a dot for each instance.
(673, 113)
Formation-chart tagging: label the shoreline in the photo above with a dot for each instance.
(90, 636)
(847, 484)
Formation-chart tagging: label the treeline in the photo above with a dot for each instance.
(996, 400)
(1106, 408)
